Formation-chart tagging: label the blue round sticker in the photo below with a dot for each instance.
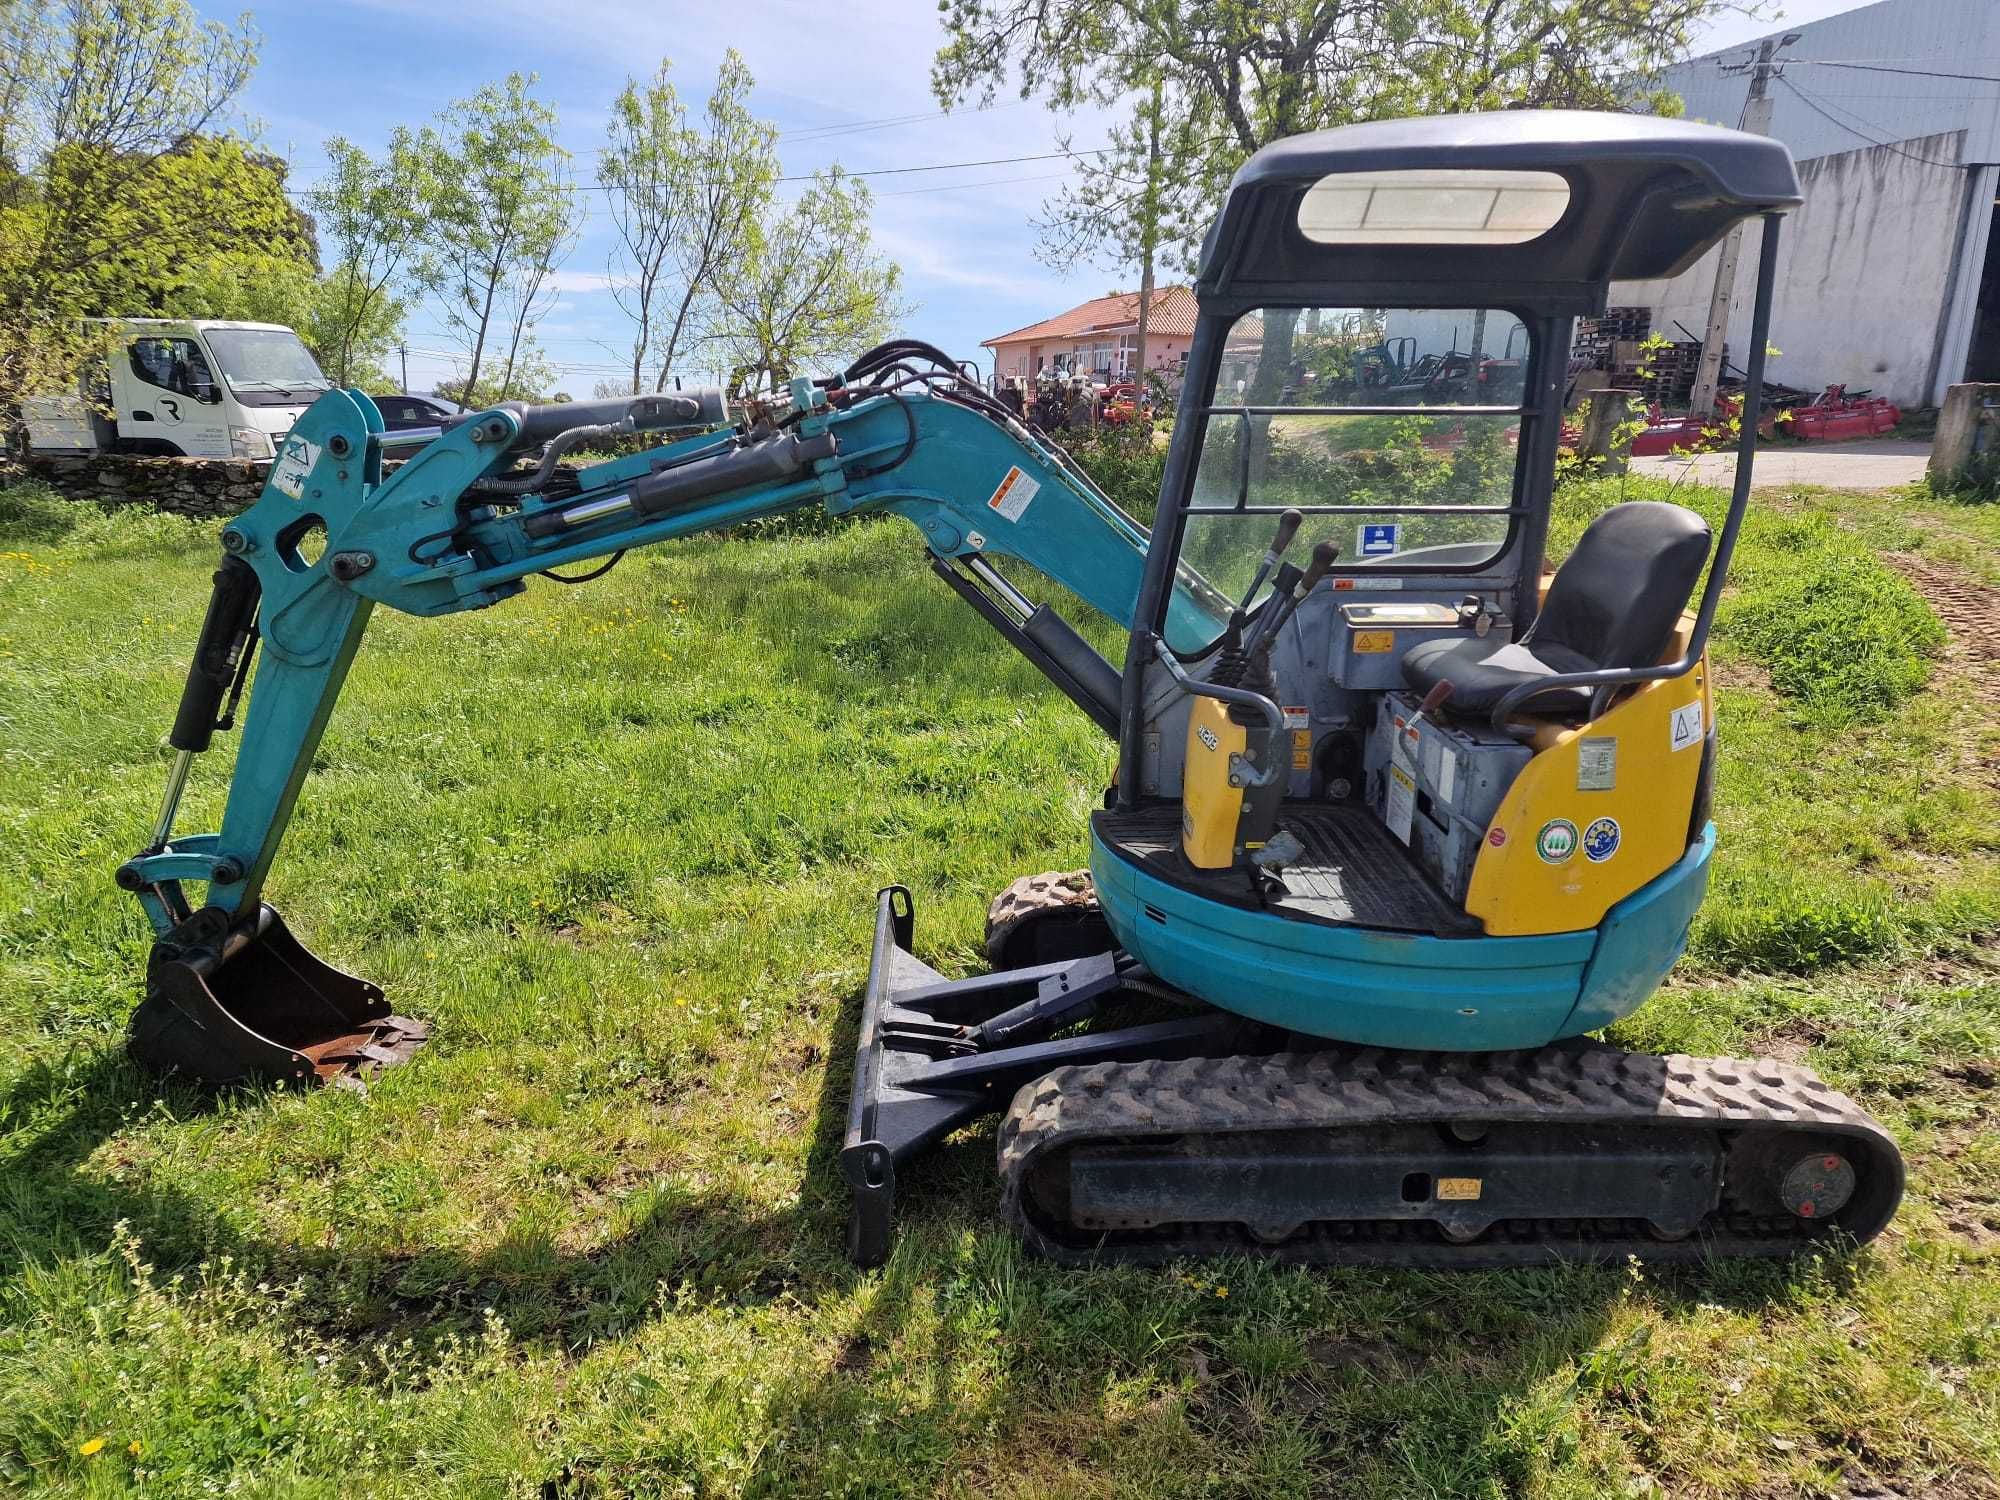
(1600, 840)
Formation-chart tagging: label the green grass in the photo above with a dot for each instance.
(620, 845)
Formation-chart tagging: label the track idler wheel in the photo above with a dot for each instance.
(1806, 1175)
(1044, 919)
(242, 1002)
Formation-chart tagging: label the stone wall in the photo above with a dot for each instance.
(199, 487)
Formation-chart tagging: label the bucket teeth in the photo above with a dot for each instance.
(246, 1001)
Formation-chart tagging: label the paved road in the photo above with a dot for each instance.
(1874, 464)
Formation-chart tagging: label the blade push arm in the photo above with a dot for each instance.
(451, 530)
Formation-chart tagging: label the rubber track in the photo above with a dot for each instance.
(1562, 1086)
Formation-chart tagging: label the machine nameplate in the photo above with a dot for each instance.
(1597, 763)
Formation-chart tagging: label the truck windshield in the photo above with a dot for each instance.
(1395, 429)
(266, 360)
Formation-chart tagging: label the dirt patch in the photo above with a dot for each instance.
(1376, 1357)
(857, 1353)
(1961, 1188)
(1970, 611)
(1740, 672)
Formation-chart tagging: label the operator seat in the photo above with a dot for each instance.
(1613, 603)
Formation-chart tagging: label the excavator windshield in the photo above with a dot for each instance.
(1395, 430)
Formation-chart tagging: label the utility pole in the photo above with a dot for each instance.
(404, 350)
(1756, 120)
(1149, 229)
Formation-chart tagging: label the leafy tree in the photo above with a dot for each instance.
(533, 381)
(501, 213)
(1114, 220)
(368, 217)
(685, 201)
(214, 210)
(1234, 76)
(645, 171)
(811, 288)
(103, 108)
(528, 296)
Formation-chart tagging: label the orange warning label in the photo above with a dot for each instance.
(1016, 490)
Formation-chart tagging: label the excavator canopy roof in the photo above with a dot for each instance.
(1527, 205)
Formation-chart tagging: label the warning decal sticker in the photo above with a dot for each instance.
(1401, 803)
(294, 467)
(1686, 729)
(1016, 491)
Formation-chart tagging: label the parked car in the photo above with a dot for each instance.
(400, 413)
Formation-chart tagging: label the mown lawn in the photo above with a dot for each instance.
(620, 845)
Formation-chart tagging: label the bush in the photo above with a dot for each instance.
(1127, 463)
(1839, 633)
(1978, 483)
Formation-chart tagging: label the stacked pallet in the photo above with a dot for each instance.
(1666, 373)
(1597, 339)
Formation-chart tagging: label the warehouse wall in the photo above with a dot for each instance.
(1443, 332)
(1863, 271)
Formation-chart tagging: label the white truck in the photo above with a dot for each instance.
(191, 387)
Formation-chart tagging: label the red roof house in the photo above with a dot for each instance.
(1099, 337)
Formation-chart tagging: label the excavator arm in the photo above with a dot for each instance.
(462, 525)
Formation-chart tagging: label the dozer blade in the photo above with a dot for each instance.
(246, 1002)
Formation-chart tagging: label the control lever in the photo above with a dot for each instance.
(1434, 700)
(1288, 527)
(1286, 598)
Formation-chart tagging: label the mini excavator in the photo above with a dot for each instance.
(1399, 817)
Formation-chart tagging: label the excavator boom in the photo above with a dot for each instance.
(463, 523)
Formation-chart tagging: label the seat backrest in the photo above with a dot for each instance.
(1616, 598)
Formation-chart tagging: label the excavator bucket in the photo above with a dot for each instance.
(246, 1002)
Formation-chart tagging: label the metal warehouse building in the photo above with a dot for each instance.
(1889, 276)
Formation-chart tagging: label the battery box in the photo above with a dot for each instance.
(1437, 786)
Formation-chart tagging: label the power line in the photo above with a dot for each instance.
(1872, 67)
(1816, 107)
(943, 166)
(821, 132)
(959, 187)
(813, 132)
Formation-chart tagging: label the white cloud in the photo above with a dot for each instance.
(924, 258)
(583, 282)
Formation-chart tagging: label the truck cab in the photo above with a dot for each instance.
(171, 387)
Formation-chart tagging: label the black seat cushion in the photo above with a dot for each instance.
(1613, 603)
(1481, 674)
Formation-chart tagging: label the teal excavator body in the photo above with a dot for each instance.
(1413, 794)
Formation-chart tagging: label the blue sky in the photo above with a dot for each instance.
(964, 237)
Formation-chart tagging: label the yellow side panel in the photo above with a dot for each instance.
(1596, 814)
(1210, 806)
